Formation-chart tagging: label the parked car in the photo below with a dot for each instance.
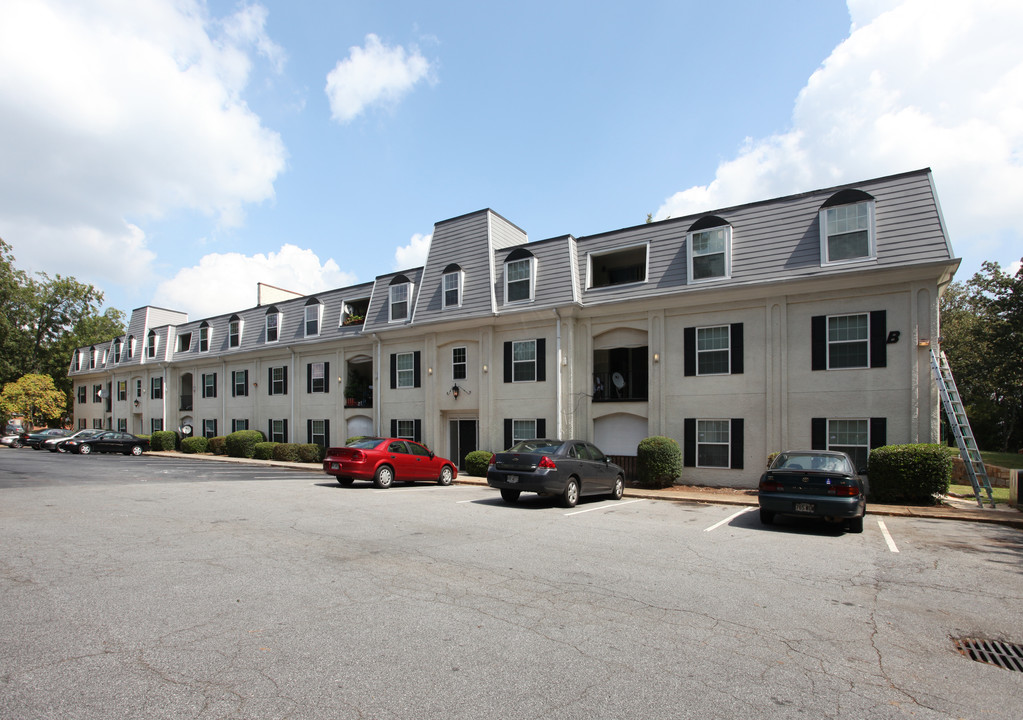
(107, 441)
(567, 469)
(11, 440)
(53, 444)
(814, 483)
(35, 440)
(384, 460)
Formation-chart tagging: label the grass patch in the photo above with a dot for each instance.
(1005, 460)
(1000, 494)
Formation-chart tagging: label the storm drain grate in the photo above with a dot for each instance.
(1008, 656)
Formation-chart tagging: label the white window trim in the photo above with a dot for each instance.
(515, 438)
(241, 326)
(464, 363)
(318, 307)
(727, 253)
(871, 235)
(532, 280)
(274, 433)
(152, 345)
(282, 382)
(728, 334)
(209, 338)
(266, 327)
(535, 360)
(728, 456)
(407, 301)
(590, 257)
(444, 289)
(827, 331)
(412, 429)
(411, 371)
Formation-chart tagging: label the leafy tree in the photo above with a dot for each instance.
(982, 334)
(35, 397)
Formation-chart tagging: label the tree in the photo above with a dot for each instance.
(982, 335)
(35, 397)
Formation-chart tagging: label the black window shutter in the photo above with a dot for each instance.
(541, 427)
(270, 381)
(284, 370)
(417, 430)
(508, 362)
(689, 351)
(309, 431)
(878, 432)
(417, 374)
(878, 339)
(270, 431)
(394, 426)
(737, 443)
(245, 377)
(326, 377)
(819, 342)
(326, 433)
(737, 351)
(818, 433)
(507, 432)
(541, 360)
(689, 442)
(309, 378)
(234, 386)
(285, 422)
(394, 372)
(214, 427)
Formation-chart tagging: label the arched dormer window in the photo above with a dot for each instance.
(273, 324)
(205, 334)
(234, 331)
(151, 342)
(117, 351)
(400, 298)
(313, 307)
(451, 286)
(131, 346)
(709, 249)
(519, 276)
(847, 228)
(93, 354)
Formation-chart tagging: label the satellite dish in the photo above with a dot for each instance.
(104, 393)
(186, 429)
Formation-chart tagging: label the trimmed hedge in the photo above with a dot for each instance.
(477, 462)
(264, 450)
(659, 461)
(163, 440)
(195, 445)
(242, 443)
(286, 452)
(218, 445)
(910, 474)
(311, 453)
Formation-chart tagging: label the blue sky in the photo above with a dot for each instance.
(175, 152)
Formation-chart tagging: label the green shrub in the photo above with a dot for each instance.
(477, 462)
(242, 443)
(218, 445)
(311, 453)
(263, 450)
(910, 474)
(193, 445)
(659, 461)
(286, 452)
(163, 440)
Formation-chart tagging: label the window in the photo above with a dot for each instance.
(452, 286)
(399, 298)
(234, 332)
(204, 337)
(156, 388)
(122, 390)
(713, 443)
(618, 268)
(713, 350)
(78, 360)
(847, 230)
(239, 383)
(82, 424)
(405, 370)
(459, 363)
(155, 425)
(83, 394)
(524, 361)
(117, 351)
(278, 380)
(406, 429)
(318, 431)
(138, 388)
(620, 374)
(848, 341)
(273, 321)
(184, 342)
(354, 312)
(237, 425)
(709, 252)
(853, 436)
(312, 318)
(316, 377)
(518, 278)
(92, 358)
(209, 428)
(131, 346)
(122, 424)
(97, 423)
(97, 393)
(151, 341)
(518, 429)
(209, 385)
(278, 431)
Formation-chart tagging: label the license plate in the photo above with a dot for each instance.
(804, 507)
(512, 479)
(335, 466)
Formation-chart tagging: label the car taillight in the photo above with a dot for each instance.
(546, 462)
(493, 459)
(845, 491)
(770, 485)
(358, 456)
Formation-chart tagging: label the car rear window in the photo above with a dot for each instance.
(365, 443)
(539, 447)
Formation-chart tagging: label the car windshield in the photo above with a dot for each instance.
(810, 461)
(539, 447)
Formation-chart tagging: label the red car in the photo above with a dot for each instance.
(384, 460)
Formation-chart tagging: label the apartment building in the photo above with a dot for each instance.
(800, 321)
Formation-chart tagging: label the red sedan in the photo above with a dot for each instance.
(384, 460)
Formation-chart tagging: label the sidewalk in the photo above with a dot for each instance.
(954, 509)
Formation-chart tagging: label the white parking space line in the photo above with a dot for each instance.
(728, 519)
(887, 536)
(603, 507)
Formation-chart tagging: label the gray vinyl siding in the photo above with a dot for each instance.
(378, 315)
(552, 275)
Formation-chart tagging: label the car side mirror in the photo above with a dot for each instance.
(431, 455)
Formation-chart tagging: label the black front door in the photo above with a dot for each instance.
(463, 434)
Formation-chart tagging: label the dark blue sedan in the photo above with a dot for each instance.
(566, 469)
(814, 483)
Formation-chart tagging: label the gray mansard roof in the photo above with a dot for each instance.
(771, 241)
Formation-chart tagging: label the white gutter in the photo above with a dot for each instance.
(557, 392)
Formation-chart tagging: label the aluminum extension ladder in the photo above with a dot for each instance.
(956, 414)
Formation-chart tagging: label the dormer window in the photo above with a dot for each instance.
(451, 286)
(312, 317)
(519, 276)
(618, 267)
(234, 332)
(117, 351)
(151, 341)
(709, 249)
(847, 228)
(131, 346)
(184, 342)
(92, 358)
(204, 337)
(78, 360)
(400, 291)
(273, 323)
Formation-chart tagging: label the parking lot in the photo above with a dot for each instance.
(171, 588)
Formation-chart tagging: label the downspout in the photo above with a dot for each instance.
(294, 392)
(376, 386)
(557, 392)
(223, 397)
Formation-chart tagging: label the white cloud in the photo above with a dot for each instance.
(226, 282)
(918, 83)
(414, 254)
(113, 112)
(374, 74)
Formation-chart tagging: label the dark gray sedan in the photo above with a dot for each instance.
(567, 469)
(107, 442)
(813, 483)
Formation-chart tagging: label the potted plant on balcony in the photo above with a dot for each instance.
(355, 389)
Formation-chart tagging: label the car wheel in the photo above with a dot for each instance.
(37, 447)
(384, 477)
(509, 496)
(16, 443)
(619, 488)
(856, 524)
(766, 516)
(344, 481)
(84, 449)
(571, 494)
(446, 475)
(136, 450)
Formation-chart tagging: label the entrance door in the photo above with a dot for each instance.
(463, 434)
